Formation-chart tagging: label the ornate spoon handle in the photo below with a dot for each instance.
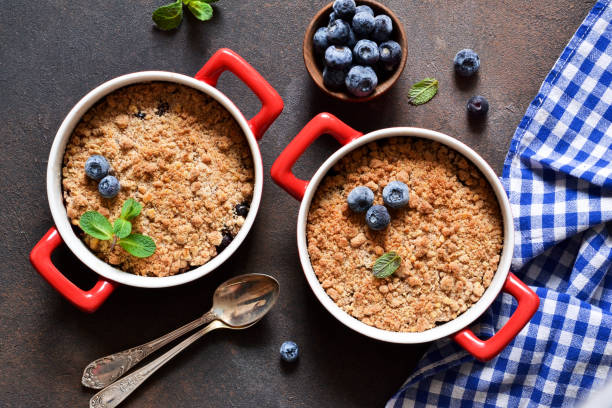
(104, 371)
(112, 395)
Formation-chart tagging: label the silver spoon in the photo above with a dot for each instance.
(237, 304)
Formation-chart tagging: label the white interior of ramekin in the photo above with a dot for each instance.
(54, 179)
(447, 328)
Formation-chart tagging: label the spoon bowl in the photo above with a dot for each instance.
(245, 299)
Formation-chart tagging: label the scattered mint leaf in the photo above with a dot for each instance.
(169, 17)
(131, 208)
(122, 228)
(200, 9)
(386, 264)
(138, 245)
(423, 91)
(96, 225)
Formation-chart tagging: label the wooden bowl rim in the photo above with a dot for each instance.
(317, 75)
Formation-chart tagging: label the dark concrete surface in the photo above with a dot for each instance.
(53, 52)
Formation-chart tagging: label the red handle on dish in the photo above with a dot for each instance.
(323, 123)
(88, 301)
(485, 350)
(271, 102)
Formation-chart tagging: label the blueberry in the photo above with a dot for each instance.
(396, 194)
(390, 54)
(360, 199)
(109, 187)
(365, 52)
(361, 81)
(334, 78)
(466, 62)
(383, 27)
(363, 24)
(337, 57)
(364, 9)
(242, 209)
(319, 40)
(344, 8)
(289, 351)
(97, 167)
(162, 108)
(225, 241)
(140, 115)
(477, 106)
(377, 217)
(333, 17)
(338, 32)
(352, 39)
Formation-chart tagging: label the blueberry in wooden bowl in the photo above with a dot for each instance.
(377, 43)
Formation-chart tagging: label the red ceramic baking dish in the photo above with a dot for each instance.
(503, 280)
(205, 81)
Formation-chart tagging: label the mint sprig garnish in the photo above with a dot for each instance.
(386, 264)
(423, 91)
(98, 226)
(138, 245)
(169, 17)
(131, 208)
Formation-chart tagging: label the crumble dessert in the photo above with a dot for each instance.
(181, 155)
(449, 236)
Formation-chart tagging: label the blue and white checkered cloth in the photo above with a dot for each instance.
(558, 175)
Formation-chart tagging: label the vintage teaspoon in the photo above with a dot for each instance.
(237, 303)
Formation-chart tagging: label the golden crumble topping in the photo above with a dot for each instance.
(176, 151)
(449, 236)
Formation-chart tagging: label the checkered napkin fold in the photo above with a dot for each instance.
(558, 176)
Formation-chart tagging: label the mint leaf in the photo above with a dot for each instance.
(131, 208)
(138, 245)
(423, 91)
(96, 225)
(200, 9)
(122, 228)
(386, 264)
(168, 17)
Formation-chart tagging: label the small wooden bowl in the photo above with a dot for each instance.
(314, 65)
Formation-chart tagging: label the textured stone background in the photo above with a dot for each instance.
(53, 52)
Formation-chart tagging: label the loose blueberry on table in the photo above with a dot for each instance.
(466, 62)
(477, 106)
(366, 37)
(289, 351)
